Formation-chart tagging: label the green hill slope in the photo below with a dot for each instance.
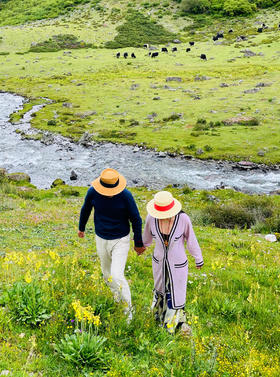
(232, 304)
(14, 12)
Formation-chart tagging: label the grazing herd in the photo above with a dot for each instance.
(215, 38)
(164, 49)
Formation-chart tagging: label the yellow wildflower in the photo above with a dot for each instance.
(27, 277)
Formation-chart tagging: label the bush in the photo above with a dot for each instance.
(229, 216)
(172, 117)
(260, 207)
(266, 3)
(60, 42)
(83, 349)
(186, 190)
(138, 30)
(27, 303)
(69, 191)
(52, 122)
(272, 224)
(254, 210)
(195, 6)
(238, 7)
(208, 148)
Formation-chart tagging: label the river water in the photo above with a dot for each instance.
(44, 163)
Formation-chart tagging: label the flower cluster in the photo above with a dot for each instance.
(85, 313)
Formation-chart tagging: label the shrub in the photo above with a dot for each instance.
(186, 190)
(238, 7)
(115, 134)
(208, 148)
(138, 30)
(172, 117)
(191, 147)
(69, 191)
(201, 127)
(60, 42)
(229, 216)
(27, 303)
(195, 6)
(52, 122)
(260, 207)
(266, 3)
(272, 224)
(83, 349)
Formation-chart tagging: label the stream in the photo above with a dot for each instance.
(56, 156)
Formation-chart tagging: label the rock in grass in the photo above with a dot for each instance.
(248, 53)
(3, 172)
(134, 86)
(199, 152)
(173, 78)
(201, 78)
(85, 139)
(57, 182)
(251, 91)
(68, 105)
(263, 84)
(242, 120)
(271, 237)
(5, 372)
(85, 114)
(18, 177)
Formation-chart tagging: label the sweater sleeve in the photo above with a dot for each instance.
(192, 243)
(147, 235)
(86, 210)
(135, 219)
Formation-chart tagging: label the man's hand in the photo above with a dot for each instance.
(199, 267)
(81, 234)
(139, 250)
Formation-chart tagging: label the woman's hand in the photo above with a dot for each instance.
(199, 267)
(81, 234)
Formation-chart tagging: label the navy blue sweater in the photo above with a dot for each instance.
(112, 215)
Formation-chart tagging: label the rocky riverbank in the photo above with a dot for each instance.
(52, 156)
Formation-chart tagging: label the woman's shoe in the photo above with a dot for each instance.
(186, 330)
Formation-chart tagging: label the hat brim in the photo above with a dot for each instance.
(112, 190)
(163, 214)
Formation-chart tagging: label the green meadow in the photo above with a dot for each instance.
(232, 303)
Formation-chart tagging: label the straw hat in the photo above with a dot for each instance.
(163, 205)
(109, 183)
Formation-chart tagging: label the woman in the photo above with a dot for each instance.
(170, 228)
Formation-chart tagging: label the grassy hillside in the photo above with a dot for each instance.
(133, 99)
(232, 304)
(14, 12)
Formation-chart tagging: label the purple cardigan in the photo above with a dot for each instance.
(173, 256)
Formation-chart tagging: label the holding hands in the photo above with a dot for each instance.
(139, 250)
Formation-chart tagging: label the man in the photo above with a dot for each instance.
(114, 209)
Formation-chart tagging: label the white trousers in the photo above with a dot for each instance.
(113, 256)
